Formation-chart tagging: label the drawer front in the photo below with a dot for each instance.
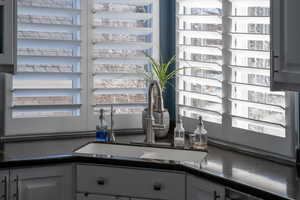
(130, 182)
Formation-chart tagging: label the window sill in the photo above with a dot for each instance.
(62, 136)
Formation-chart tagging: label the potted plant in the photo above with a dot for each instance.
(163, 73)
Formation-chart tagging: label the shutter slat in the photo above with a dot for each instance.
(125, 76)
(133, 31)
(48, 27)
(121, 105)
(45, 106)
(42, 43)
(200, 93)
(45, 92)
(30, 59)
(122, 15)
(119, 91)
(47, 75)
(127, 2)
(27, 10)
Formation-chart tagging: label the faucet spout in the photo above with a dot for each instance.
(150, 121)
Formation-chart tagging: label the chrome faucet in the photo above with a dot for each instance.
(159, 106)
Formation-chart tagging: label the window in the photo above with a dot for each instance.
(76, 56)
(225, 47)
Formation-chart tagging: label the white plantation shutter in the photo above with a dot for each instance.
(77, 56)
(121, 32)
(199, 49)
(226, 47)
(47, 93)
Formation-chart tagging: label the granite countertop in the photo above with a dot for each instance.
(262, 178)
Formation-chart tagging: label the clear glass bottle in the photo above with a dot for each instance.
(200, 136)
(179, 133)
(101, 128)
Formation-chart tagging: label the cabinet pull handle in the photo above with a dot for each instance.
(216, 196)
(86, 194)
(101, 181)
(16, 195)
(4, 181)
(157, 187)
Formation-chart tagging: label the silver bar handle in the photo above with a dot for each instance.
(216, 195)
(16, 195)
(4, 181)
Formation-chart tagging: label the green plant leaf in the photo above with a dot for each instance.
(171, 61)
(162, 70)
(173, 73)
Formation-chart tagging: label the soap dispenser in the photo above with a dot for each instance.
(101, 128)
(179, 133)
(200, 136)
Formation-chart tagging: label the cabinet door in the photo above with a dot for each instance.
(200, 189)
(43, 183)
(7, 35)
(285, 73)
(4, 182)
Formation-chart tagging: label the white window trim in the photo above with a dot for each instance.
(87, 120)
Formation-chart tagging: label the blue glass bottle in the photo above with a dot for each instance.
(101, 129)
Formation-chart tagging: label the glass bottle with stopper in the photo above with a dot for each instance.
(200, 136)
(179, 133)
(101, 128)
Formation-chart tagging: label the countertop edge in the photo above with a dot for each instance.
(70, 158)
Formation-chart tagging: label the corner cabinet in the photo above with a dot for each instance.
(42, 183)
(200, 189)
(285, 31)
(8, 35)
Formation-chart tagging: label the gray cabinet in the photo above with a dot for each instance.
(285, 45)
(42, 183)
(4, 184)
(130, 182)
(200, 189)
(8, 39)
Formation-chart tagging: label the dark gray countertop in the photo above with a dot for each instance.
(257, 176)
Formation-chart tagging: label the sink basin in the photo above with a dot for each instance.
(143, 152)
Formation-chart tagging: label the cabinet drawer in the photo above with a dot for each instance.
(130, 182)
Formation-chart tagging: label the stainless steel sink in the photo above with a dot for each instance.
(143, 152)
